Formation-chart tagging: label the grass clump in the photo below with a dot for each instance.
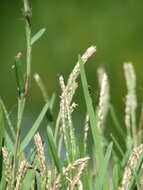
(108, 169)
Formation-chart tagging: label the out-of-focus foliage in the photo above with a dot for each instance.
(115, 27)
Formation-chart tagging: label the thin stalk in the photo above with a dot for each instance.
(21, 105)
(22, 96)
(27, 12)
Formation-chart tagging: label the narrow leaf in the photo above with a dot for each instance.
(53, 151)
(19, 74)
(11, 127)
(34, 128)
(115, 176)
(38, 35)
(95, 132)
(126, 156)
(117, 145)
(103, 170)
(94, 129)
(52, 146)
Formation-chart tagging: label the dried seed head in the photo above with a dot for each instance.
(77, 176)
(66, 99)
(74, 74)
(36, 77)
(62, 84)
(103, 101)
(131, 165)
(21, 173)
(74, 164)
(41, 154)
(71, 166)
(131, 102)
(86, 131)
(8, 167)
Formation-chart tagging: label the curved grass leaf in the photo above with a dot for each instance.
(117, 145)
(93, 124)
(34, 128)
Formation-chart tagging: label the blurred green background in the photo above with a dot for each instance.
(115, 27)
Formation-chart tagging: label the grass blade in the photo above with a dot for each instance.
(93, 123)
(34, 128)
(100, 179)
(38, 35)
(11, 127)
(53, 151)
(117, 145)
(115, 177)
(126, 156)
(52, 146)
(9, 143)
(19, 74)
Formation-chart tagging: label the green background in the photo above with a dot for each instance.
(114, 26)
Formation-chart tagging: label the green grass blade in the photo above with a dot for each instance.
(19, 74)
(9, 143)
(38, 35)
(53, 151)
(126, 156)
(4, 137)
(52, 146)
(11, 127)
(95, 132)
(34, 128)
(115, 176)
(3, 181)
(117, 145)
(26, 183)
(103, 170)
(49, 113)
(94, 129)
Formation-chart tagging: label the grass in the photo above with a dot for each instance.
(109, 167)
